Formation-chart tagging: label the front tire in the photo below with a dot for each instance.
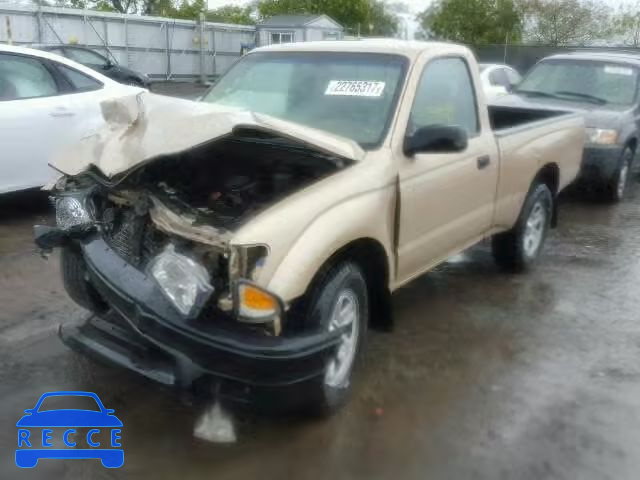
(617, 186)
(75, 281)
(517, 249)
(339, 300)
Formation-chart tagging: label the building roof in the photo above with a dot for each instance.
(293, 20)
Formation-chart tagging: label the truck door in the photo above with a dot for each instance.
(446, 199)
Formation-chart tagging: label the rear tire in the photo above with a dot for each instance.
(75, 280)
(339, 300)
(617, 186)
(517, 249)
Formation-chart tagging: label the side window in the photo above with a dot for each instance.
(24, 77)
(79, 81)
(281, 37)
(514, 77)
(87, 57)
(445, 96)
(57, 51)
(498, 78)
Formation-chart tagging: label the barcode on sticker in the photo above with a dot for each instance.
(618, 70)
(355, 88)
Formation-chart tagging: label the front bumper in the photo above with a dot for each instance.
(144, 333)
(600, 163)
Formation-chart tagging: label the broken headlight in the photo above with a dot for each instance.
(72, 212)
(182, 280)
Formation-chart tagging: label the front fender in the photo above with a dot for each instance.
(368, 214)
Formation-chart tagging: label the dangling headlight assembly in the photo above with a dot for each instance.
(72, 212)
(182, 280)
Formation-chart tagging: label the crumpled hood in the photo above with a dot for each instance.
(141, 127)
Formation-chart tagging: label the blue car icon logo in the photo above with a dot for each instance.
(33, 446)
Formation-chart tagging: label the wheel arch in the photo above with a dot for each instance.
(371, 256)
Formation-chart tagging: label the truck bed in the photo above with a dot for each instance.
(506, 118)
(528, 139)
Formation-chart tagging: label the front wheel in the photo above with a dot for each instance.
(338, 302)
(617, 186)
(518, 248)
(75, 281)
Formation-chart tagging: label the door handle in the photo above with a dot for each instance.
(483, 161)
(61, 112)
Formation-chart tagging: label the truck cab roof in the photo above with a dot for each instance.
(408, 48)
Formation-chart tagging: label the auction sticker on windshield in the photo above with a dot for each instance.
(355, 88)
(618, 70)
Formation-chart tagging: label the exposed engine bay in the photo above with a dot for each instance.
(192, 202)
(225, 183)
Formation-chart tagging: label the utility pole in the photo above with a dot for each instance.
(9, 34)
(203, 60)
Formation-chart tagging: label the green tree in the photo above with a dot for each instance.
(626, 25)
(381, 21)
(472, 21)
(232, 14)
(366, 16)
(566, 22)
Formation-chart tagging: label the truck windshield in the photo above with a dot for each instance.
(348, 94)
(582, 80)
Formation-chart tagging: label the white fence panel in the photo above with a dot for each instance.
(161, 47)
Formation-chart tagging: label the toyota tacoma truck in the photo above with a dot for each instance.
(251, 239)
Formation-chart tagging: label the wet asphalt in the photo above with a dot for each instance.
(484, 376)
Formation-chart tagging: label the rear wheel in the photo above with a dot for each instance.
(339, 301)
(518, 248)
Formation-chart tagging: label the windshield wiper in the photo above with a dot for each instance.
(536, 93)
(586, 96)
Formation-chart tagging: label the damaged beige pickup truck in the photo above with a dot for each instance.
(248, 240)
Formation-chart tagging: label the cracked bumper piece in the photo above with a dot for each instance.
(144, 333)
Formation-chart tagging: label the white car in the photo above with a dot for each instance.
(497, 79)
(46, 101)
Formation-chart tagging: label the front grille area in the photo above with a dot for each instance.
(133, 236)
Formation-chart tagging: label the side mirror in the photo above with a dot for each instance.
(436, 139)
(108, 64)
(29, 410)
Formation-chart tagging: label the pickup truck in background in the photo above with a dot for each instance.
(252, 238)
(602, 86)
